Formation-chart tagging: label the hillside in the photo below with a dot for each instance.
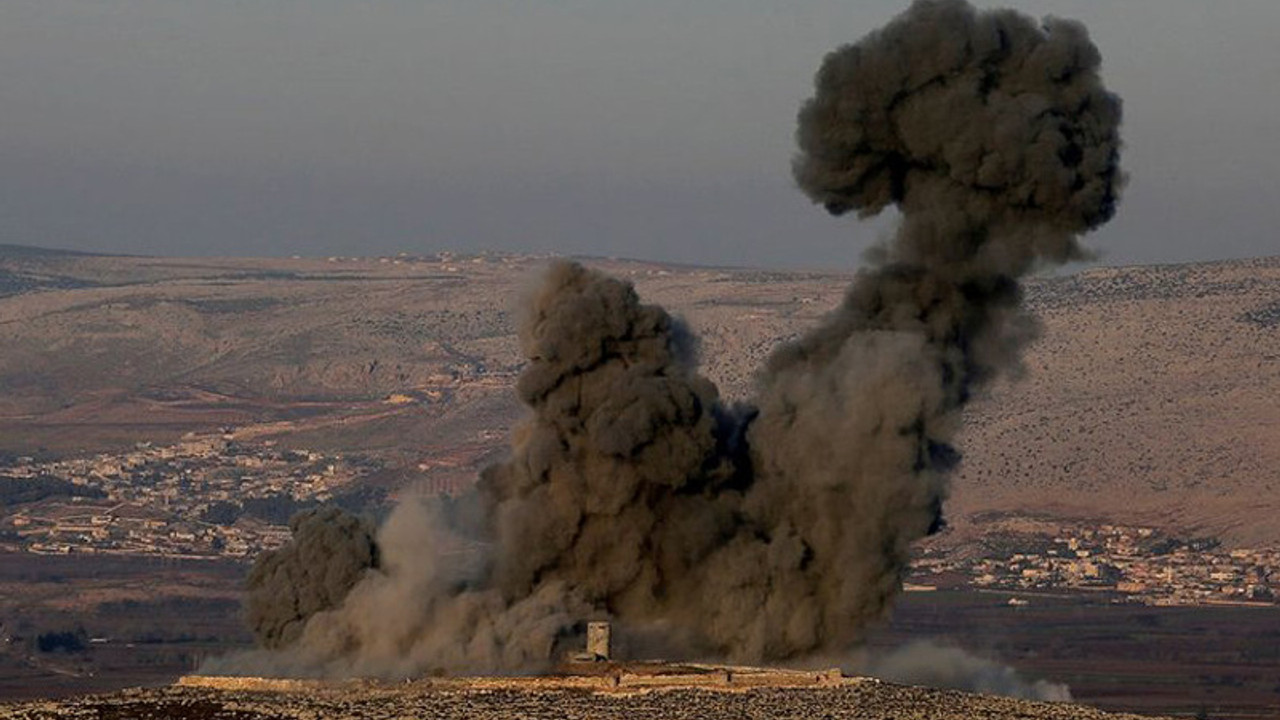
(1150, 395)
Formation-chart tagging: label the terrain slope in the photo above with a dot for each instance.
(1150, 395)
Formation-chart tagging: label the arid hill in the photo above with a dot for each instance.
(1150, 395)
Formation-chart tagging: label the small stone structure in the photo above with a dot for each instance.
(598, 638)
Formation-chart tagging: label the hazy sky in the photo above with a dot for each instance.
(658, 129)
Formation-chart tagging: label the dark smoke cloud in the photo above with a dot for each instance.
(994, 135)
(604, 507)
(996, 139)
(781, 530)
(607, 488)
(328, 554)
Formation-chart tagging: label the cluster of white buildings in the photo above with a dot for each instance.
(1138, 563)
(194, 499)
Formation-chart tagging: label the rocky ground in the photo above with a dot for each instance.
(868, 700)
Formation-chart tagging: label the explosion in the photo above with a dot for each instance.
(780, 529)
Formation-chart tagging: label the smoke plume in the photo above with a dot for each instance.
(997, 141)
(779, 530)
(327, 556)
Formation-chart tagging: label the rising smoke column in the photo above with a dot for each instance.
(997, 141)
(610, 480)
(776, 531)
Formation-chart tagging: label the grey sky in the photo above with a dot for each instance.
(660, 129)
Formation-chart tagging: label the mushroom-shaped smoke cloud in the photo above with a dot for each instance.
(778, 530)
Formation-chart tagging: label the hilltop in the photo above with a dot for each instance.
(534, 698)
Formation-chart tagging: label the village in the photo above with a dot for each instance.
(213, 497)
(1132, 564)
(205, 497)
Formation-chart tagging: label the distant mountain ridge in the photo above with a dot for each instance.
(8, 250)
